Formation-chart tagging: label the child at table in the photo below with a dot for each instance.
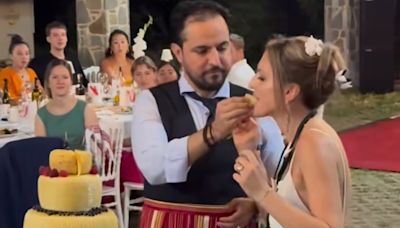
(64, 115)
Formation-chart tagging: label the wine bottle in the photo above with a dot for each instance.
(80, 90)
(116, 98)
(36, 92)
(6, 97)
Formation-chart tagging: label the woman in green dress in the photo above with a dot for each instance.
(64, 115)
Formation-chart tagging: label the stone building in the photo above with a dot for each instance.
(95, 21)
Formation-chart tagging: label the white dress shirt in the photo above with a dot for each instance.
(241, 74)
(167, 162)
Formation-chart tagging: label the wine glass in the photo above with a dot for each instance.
(26, 91)
(105, 82)
(22, 108)
(66, 141)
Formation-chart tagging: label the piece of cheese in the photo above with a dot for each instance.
(250, 99)
(74, 162)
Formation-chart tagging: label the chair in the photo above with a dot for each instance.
(19, 171)
(129, 186)
(92, 70)
(106, 147)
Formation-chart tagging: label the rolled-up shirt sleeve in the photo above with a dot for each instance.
(272, 144)
(160, 161)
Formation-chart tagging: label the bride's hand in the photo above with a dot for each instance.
(246, 135)
(252, 175)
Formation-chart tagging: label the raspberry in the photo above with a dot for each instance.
(54, 173)
(93, 170)
(44, 171)
(63, 173)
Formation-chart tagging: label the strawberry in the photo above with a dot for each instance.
(93, 170)
(54, 173)
(44, 171)
(63, 173)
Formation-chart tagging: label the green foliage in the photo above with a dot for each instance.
(349, 109)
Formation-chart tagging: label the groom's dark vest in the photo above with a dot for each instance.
(209, 180)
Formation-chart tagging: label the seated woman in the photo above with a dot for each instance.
(144, 71)
(20, 78)
(167, 72)
(119, 57)
(64, 116)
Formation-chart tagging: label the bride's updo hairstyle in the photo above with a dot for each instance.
(307, 62)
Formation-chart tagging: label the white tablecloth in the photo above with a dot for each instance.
(107, 119)
(25, 130)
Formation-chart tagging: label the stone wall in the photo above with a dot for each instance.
(342, 29)
(16, 17)
(96, 19)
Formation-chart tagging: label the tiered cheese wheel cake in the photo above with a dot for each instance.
(69, 194)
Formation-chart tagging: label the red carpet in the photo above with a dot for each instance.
(374, 146)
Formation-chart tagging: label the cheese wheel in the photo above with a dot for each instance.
(72, 193)
(35, 219)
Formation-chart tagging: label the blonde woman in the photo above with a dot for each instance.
(144, 71)
(294, 77)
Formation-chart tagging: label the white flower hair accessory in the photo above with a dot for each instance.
(313, 46)
(340, 76)
(140, 44)
(342, 80)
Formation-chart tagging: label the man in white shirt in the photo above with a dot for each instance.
(181, 130)
(241, 72)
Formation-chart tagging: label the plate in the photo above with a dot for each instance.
(121, 110)
(8, 135)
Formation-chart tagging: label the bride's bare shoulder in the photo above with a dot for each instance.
(318, 144)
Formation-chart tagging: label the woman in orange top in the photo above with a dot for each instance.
(20, 78)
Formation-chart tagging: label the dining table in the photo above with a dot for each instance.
(109, 117)
(12, 131)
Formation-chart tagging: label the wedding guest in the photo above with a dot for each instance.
(20, 78)
(119, 58)
(64, 116)
(167, 72)
(294, 77)
(241, 72)
(168, 68)
(56, 36)
(144, 72)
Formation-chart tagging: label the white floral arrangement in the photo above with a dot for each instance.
(140, 44)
